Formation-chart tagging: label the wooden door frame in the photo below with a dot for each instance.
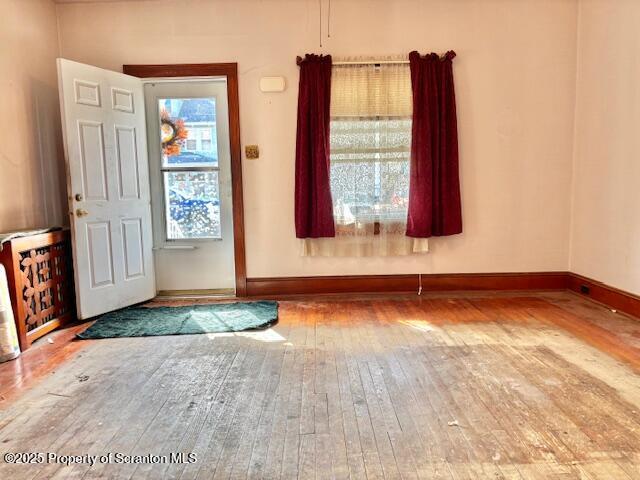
(229, 70)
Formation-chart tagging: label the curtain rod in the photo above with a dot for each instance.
(373, 62)
(449, 55)
(299, 60)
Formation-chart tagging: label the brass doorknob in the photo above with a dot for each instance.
(81, 213)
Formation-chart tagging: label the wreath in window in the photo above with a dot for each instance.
(173, 134)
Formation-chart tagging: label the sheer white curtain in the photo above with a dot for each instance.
(370, 148)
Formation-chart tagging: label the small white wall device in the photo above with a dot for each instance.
(272, 84)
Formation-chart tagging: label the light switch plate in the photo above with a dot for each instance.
(251, 152)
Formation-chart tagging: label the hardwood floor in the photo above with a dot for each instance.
(457, 386)
(18, 375)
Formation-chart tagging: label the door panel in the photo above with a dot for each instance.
(122, 100)
(128, 176)
(100, 254)
(92, 160)
(132, 242)
(87, 93)
(108, 185)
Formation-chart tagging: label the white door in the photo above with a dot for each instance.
(190, 167)
(105, 145)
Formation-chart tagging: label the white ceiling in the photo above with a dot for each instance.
(95, 1)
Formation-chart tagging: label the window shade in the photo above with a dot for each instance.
(368, 90)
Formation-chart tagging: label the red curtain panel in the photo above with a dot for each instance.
(434, 188)
(313, 205)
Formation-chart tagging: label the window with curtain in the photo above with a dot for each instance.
(370, 145)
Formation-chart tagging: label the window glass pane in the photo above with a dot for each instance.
(370, 168)
(192, 205)
(182, 121)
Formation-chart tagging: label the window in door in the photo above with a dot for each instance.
(190, 168)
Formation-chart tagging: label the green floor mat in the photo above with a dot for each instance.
(185, 320)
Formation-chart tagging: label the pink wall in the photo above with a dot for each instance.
(515, 75)
(31, 159)
(605, 242)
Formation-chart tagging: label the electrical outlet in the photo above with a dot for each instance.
(251, 152)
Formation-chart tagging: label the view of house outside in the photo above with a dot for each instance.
(192, 200)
